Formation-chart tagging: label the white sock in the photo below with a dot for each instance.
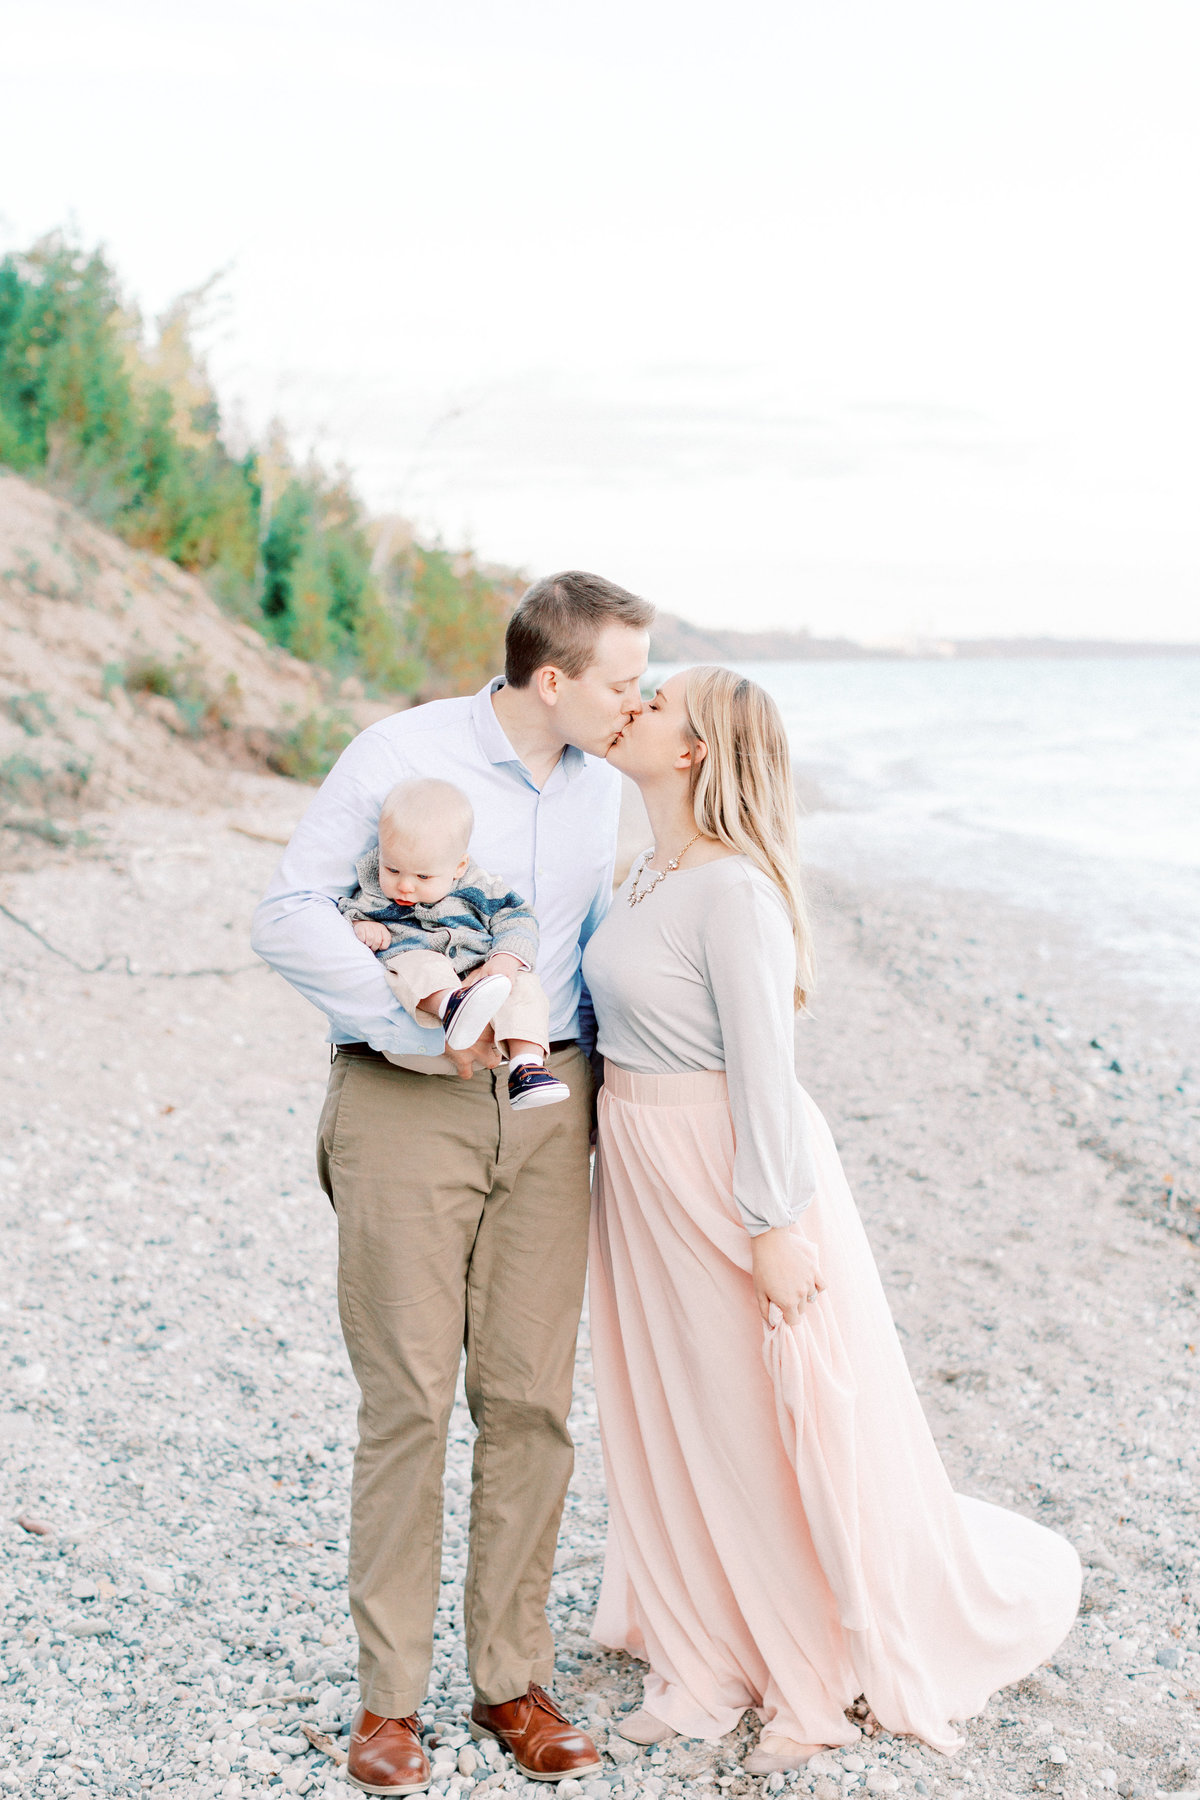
(525, 1056)
(443, 1003)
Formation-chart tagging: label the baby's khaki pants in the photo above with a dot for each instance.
(416, 974)
(461, 1224)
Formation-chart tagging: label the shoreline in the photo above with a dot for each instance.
(181, 1416)
(1116, 1065)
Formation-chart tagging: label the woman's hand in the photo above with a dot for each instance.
(787, 1272)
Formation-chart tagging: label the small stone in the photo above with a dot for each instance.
(854, 1763)
(161, 1581)
(620, 1751)
(287, 1744)
(826, 1788)
(1056, 1754)
(569, 1789)
(920, 1786)
(880, 1782)
(774, 1782)
(469, 1761)
(1167, 1656)
(83, 1588)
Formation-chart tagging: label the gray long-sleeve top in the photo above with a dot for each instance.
(699, 975)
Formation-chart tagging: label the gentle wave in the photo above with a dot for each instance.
(1070, 785)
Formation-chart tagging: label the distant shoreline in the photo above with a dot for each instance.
(676, 640)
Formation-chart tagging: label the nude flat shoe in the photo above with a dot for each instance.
(776, 1755)
(641, 1727)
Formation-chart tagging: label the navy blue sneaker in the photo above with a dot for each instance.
(469, 1010)
(530, 1085)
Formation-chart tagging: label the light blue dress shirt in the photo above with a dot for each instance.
(555, 846)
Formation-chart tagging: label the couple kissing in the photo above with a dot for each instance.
(782, 1534)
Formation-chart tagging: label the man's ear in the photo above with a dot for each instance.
(548, 681)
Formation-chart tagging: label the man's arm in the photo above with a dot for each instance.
(297, 927)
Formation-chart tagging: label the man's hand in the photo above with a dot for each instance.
(500, 964)
(787, 1271)
(483, 1055)
(371, 933)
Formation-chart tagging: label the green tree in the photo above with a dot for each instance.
(132, 431)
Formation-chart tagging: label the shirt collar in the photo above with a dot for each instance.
(494, 743)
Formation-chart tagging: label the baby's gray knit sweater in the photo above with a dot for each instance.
(477, 919)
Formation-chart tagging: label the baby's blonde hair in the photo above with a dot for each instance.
(743, 793)
(421, 804)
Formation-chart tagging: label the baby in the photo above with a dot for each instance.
(432, 915)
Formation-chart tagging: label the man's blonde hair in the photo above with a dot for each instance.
(743, 793)
(422, 804)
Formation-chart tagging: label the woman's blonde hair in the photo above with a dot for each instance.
(743, 793)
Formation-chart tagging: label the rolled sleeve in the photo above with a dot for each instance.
(750, 956)
(298, 929)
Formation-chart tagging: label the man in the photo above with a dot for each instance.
(461, 1222)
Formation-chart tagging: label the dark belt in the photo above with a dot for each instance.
(558, 1045)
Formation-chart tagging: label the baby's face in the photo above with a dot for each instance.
(417, 868)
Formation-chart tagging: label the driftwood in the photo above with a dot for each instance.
(321, 1740)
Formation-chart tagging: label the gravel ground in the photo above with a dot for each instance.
(176, 1435)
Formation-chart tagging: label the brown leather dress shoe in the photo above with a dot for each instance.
(544, 1743)
(386, 1756)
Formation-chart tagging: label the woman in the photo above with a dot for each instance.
(783, 1535)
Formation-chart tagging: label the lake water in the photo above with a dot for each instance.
(1072, 786)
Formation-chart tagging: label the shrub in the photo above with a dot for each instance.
(308, 749)
(25, 780)
(31, 712)
(202, 707)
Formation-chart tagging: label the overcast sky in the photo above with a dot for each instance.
(874, 318)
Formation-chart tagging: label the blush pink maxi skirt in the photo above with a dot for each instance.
(782, 1533)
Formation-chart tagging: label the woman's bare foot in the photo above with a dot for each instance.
(641, 1727)
(776, 1755)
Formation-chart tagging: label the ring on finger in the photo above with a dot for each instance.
(811, 1296)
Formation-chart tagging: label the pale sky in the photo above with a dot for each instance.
(869, 317)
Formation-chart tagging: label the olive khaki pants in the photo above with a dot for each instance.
(460, 1224)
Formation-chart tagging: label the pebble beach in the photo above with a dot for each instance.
(177, 1425)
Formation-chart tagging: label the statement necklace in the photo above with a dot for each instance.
(637, 892)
